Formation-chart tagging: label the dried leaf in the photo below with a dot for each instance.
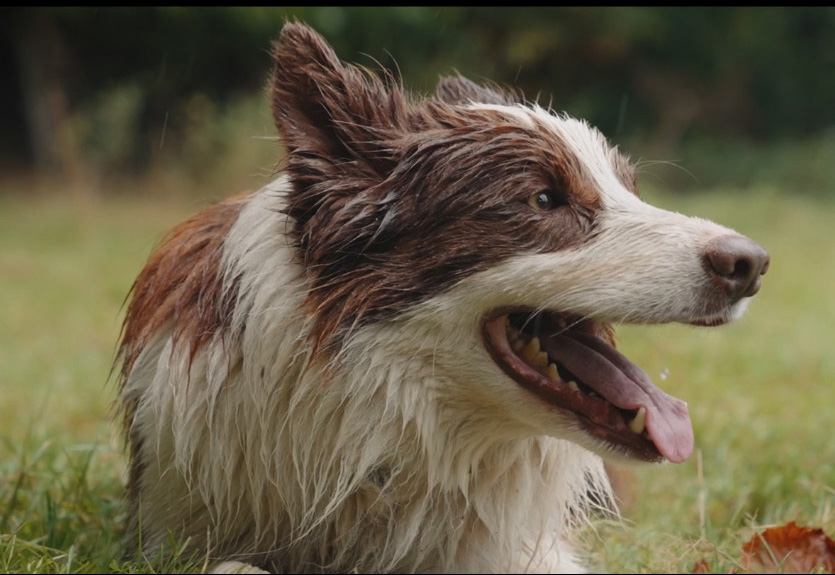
(789, 549)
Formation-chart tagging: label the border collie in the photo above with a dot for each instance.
(398, 356)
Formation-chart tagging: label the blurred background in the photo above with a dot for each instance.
(736, 95)
(117, 123)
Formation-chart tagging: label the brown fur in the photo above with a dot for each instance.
(410, 450)
(181, 284)
(360, 169)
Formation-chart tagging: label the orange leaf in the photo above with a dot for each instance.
(789, 549)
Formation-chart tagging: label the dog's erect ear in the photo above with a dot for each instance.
(328, 111)
(460, 90)
(340, 125)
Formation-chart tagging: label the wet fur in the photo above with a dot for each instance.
(303, 384)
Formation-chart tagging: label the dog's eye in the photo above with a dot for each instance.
(541, 201)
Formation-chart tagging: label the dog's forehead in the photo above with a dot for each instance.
(602, 163)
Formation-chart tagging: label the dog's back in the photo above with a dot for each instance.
(397, 356)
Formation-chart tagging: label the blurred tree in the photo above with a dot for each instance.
(37, 44)
(659, 75)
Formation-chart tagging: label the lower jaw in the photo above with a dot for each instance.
(602, 422)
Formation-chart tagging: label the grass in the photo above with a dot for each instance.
(66, 263)
(760, 392)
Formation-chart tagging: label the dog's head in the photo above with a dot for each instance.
(521, 228)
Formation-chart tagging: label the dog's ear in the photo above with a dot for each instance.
(460, 90)
(339, 124)
(328, 112)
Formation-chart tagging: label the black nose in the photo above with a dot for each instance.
(736, 264)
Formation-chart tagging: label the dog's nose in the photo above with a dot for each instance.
(736, 264)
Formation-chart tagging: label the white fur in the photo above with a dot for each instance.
(645, 263)
(301, 447)
(410, 450)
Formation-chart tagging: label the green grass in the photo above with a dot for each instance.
(760, 392)
(67, 262)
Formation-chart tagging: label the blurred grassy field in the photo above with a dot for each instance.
(761, 392)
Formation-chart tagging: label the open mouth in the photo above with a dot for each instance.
(571, 363)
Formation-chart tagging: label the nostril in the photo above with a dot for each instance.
(736, 263)
(742, 268)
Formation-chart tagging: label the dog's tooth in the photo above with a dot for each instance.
(512, 333)
(540, 359)
(572, 385)
(531, 349)
(551, 372)
(517, 344)
(638, 423)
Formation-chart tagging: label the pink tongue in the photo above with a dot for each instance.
(625, 385)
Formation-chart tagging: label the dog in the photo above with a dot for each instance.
(399, 355)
